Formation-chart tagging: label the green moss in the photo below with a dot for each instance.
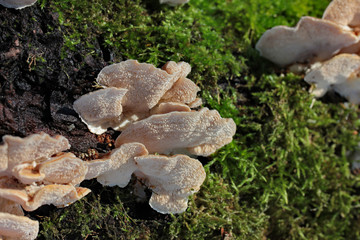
(290, 156)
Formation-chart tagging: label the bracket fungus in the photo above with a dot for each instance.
(145, 83)
(340, 73)
(101, 109)
(18, 4)
(155, 115)
(198, 132)
(326, 47)
(34, 172)
(132, 90)
(344, 12)
(311, 40)
(117, 167)
(172, 180)
(17, 227)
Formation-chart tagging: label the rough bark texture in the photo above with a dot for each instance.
(39, 80)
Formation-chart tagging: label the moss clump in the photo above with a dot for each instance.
(289, 158)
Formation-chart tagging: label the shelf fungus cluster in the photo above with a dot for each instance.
(327, 48)
(35, 171)
(154, 109)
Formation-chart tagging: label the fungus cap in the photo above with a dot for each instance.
(183, 91)
(343, 12)
(172, 180)
(18, 227)
(198, 132)
(18, 4)
(145, 84)
(64, 168)
(31, 197)
(36, 147)
(339, 73)
(311, 40)
(117, 167)
(101, 109)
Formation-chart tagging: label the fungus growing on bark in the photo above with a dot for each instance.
(340, 73)
(311, 40)
(31, 197)
(145, 84)
(172, 180)
(101, 109)
(36, 147)
(35, 172)
(117, 167)
(136, 89)
(63, 169)
(18, 4)
(200, 133)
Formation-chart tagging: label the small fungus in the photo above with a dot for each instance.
(340, 73)
(172, 180)
(101, 109)
(117, 167)
(31, 197)
(36, 147)
(145, 83)
(17, 227)
(199, 132)
(311, 40)
(344, 12)
(18, 4)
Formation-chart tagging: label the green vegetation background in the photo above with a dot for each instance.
(286, 175)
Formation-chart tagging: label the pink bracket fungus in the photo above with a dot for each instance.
(200, 133)
(341, 73)
(155, 115)
(17, 227)
(34, 172)
(117, 167)
(36, 147)
(31, 197)
(132, 90)
(344, 12)
(311, 40)
(13, 224)
(172, 180)
(145, 84)
(18, 4)
(101, 109)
